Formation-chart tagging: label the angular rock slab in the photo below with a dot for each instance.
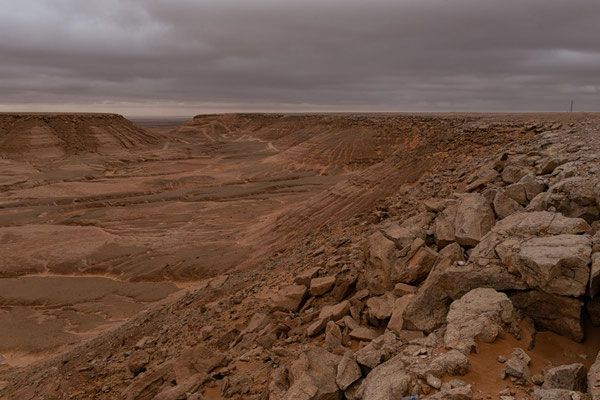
(555, 264)
(393, 254)
(568, 377)
(313, 376)
(559, 314)
(474, 218)
(387, 381)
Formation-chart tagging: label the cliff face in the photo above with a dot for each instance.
(54, 135)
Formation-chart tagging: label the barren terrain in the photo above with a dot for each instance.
(196, 261)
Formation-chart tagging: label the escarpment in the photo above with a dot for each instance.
(440, 256)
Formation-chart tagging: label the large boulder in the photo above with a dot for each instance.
(320, 286)
(313, 376)
(569, 377)
(451, 363)
(480, 315)
(559, 314)
(398, 253)
(474, 218)
(555, 264)
(416, 269)
(427, 310)
(547, 249)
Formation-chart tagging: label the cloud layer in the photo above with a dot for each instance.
(182, 57)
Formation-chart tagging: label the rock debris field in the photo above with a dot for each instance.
(300, 257)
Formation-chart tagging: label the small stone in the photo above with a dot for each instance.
(402, 289)
(348, 371)
(434, 382)
(364, 334)
(537, 379)
(568, 377)
(455, 383)
(501, 359)
(316, 327)
(305, 277)
(320, 286)
(288, 298)
(137, 362)
(333, 337)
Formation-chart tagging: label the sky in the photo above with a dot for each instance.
(155, 58)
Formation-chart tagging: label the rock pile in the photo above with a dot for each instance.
(518, 242)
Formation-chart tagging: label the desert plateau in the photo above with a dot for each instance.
(300, 256)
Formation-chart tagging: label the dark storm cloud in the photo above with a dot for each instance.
(185, 56)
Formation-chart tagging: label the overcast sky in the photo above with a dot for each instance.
(184, 57)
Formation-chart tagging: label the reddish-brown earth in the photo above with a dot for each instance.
(111, 232)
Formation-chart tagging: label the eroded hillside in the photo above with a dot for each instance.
(395, 254)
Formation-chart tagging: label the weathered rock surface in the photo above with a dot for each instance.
(378, 350)
(137, 362)
(313, 376)
(551, 253)
(288, 298)
(480, 315)
(348, 371)
(474, 218)
(320, 286)
(505, 205)
(387, 381)
(398, 254)
(364, 333)
(574, 197)
(460, 393)
(556, 394)
(396, 322)
(443, 226)
(559, 314)
(401, 289)
(428, 309)
(453, 252)
(517, 367)
(380, 307)
(593, 379)
(569, 377)
(555, 264)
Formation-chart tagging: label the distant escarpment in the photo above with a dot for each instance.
(24, 135)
